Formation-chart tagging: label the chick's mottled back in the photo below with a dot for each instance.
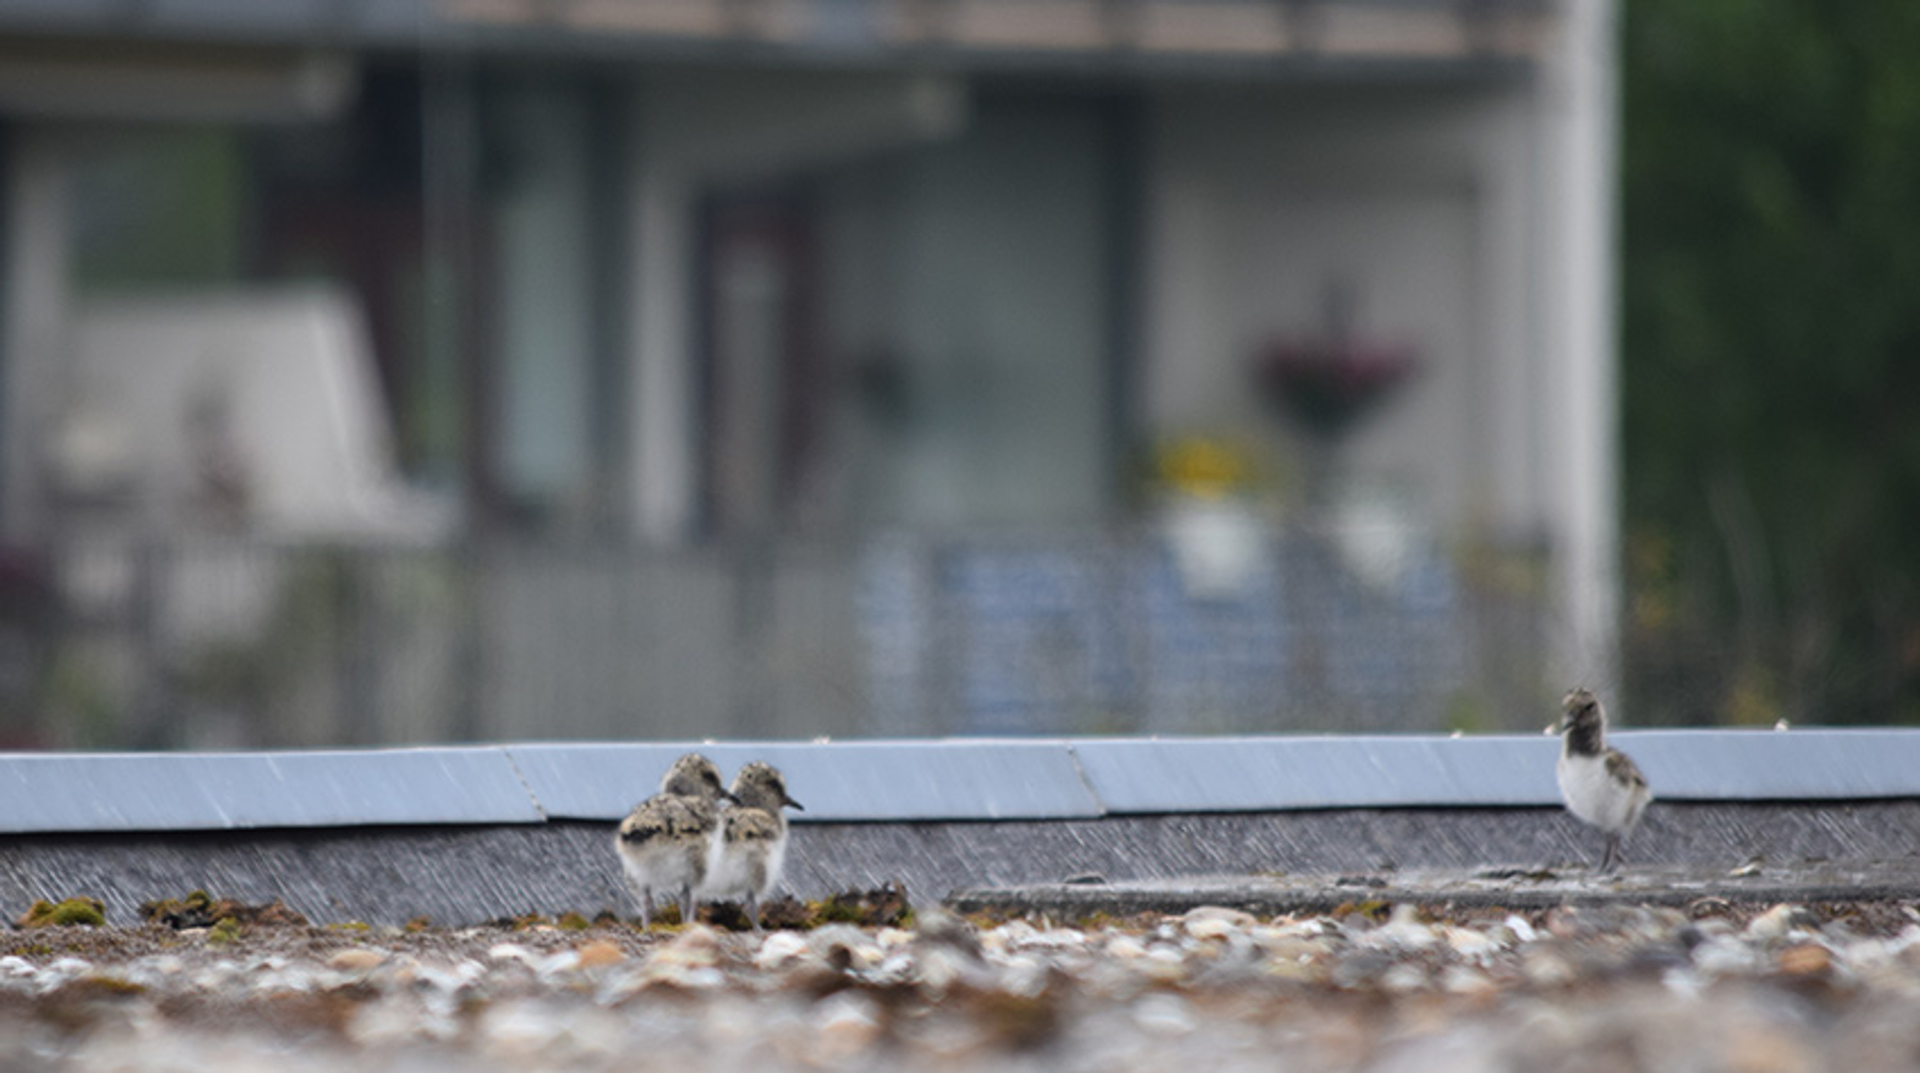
(664, 843)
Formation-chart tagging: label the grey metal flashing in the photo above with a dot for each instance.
(1764, 765)
(1144, 776)
(928, 780)
(1147, 776)
(226, 791)
(852, 781)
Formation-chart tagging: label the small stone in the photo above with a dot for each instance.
(521, 1029)
(1217, 915)
(1163, 1014)
(1805, 959)
(600, 953)
(357, 959)
(511, 952)
(1290, 949)
(1359, 970)
(1775, 922)
(1724, 957)
(1404, 977)
(1461, 980)
(779, 949)
(1545, 968)
(1211, 928)
(558, 962)
(1402, 931)
(1302, 970)
(696, 947)
(1163, 964)
(1471, 945)
(848, 1024)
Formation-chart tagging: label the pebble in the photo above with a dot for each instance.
(357, 959)
(779, 949)
(1163, 1014)
(848, 1024)
(599, 954)
(1212, 989)
(1805, 959)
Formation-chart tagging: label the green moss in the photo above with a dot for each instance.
(225, 930)
(1371, 908)
(86, 912)
(350, 925)
(832, 911)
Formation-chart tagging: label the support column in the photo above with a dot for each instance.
(1582, 427)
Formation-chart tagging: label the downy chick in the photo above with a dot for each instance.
(752, 848)
(1598, 782)
(665, 842)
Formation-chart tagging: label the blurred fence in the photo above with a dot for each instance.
(226, 643)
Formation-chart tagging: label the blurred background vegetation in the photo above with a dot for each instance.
(1771, 359)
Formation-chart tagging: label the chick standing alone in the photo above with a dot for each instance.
(665, 841)
(1599, 783)
(752, 847)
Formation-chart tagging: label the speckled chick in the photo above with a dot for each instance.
(752, 848)
(1598, 782)
(666, 841)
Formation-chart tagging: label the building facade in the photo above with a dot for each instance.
(809, 366)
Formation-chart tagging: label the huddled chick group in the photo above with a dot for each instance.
(683, 841)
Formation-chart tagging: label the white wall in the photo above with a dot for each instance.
(1001, 327)
(1420, 200)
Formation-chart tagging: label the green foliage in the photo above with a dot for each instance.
(1771, 370)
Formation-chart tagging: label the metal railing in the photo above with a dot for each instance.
(223, 643)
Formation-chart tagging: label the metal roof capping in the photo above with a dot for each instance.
(924, 780)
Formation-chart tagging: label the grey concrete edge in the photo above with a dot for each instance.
(955, 780)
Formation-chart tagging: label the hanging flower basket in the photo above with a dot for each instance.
(1328, 386)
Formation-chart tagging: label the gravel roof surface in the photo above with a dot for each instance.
(1708, 984)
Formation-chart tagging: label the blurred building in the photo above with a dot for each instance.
(426, 369)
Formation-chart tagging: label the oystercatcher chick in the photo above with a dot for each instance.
(1598, 782)
(664, 843)
(752, 848)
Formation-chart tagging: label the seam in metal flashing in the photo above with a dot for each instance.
(532, 796)
(1080, 769)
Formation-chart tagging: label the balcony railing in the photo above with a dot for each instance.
(217, 643)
